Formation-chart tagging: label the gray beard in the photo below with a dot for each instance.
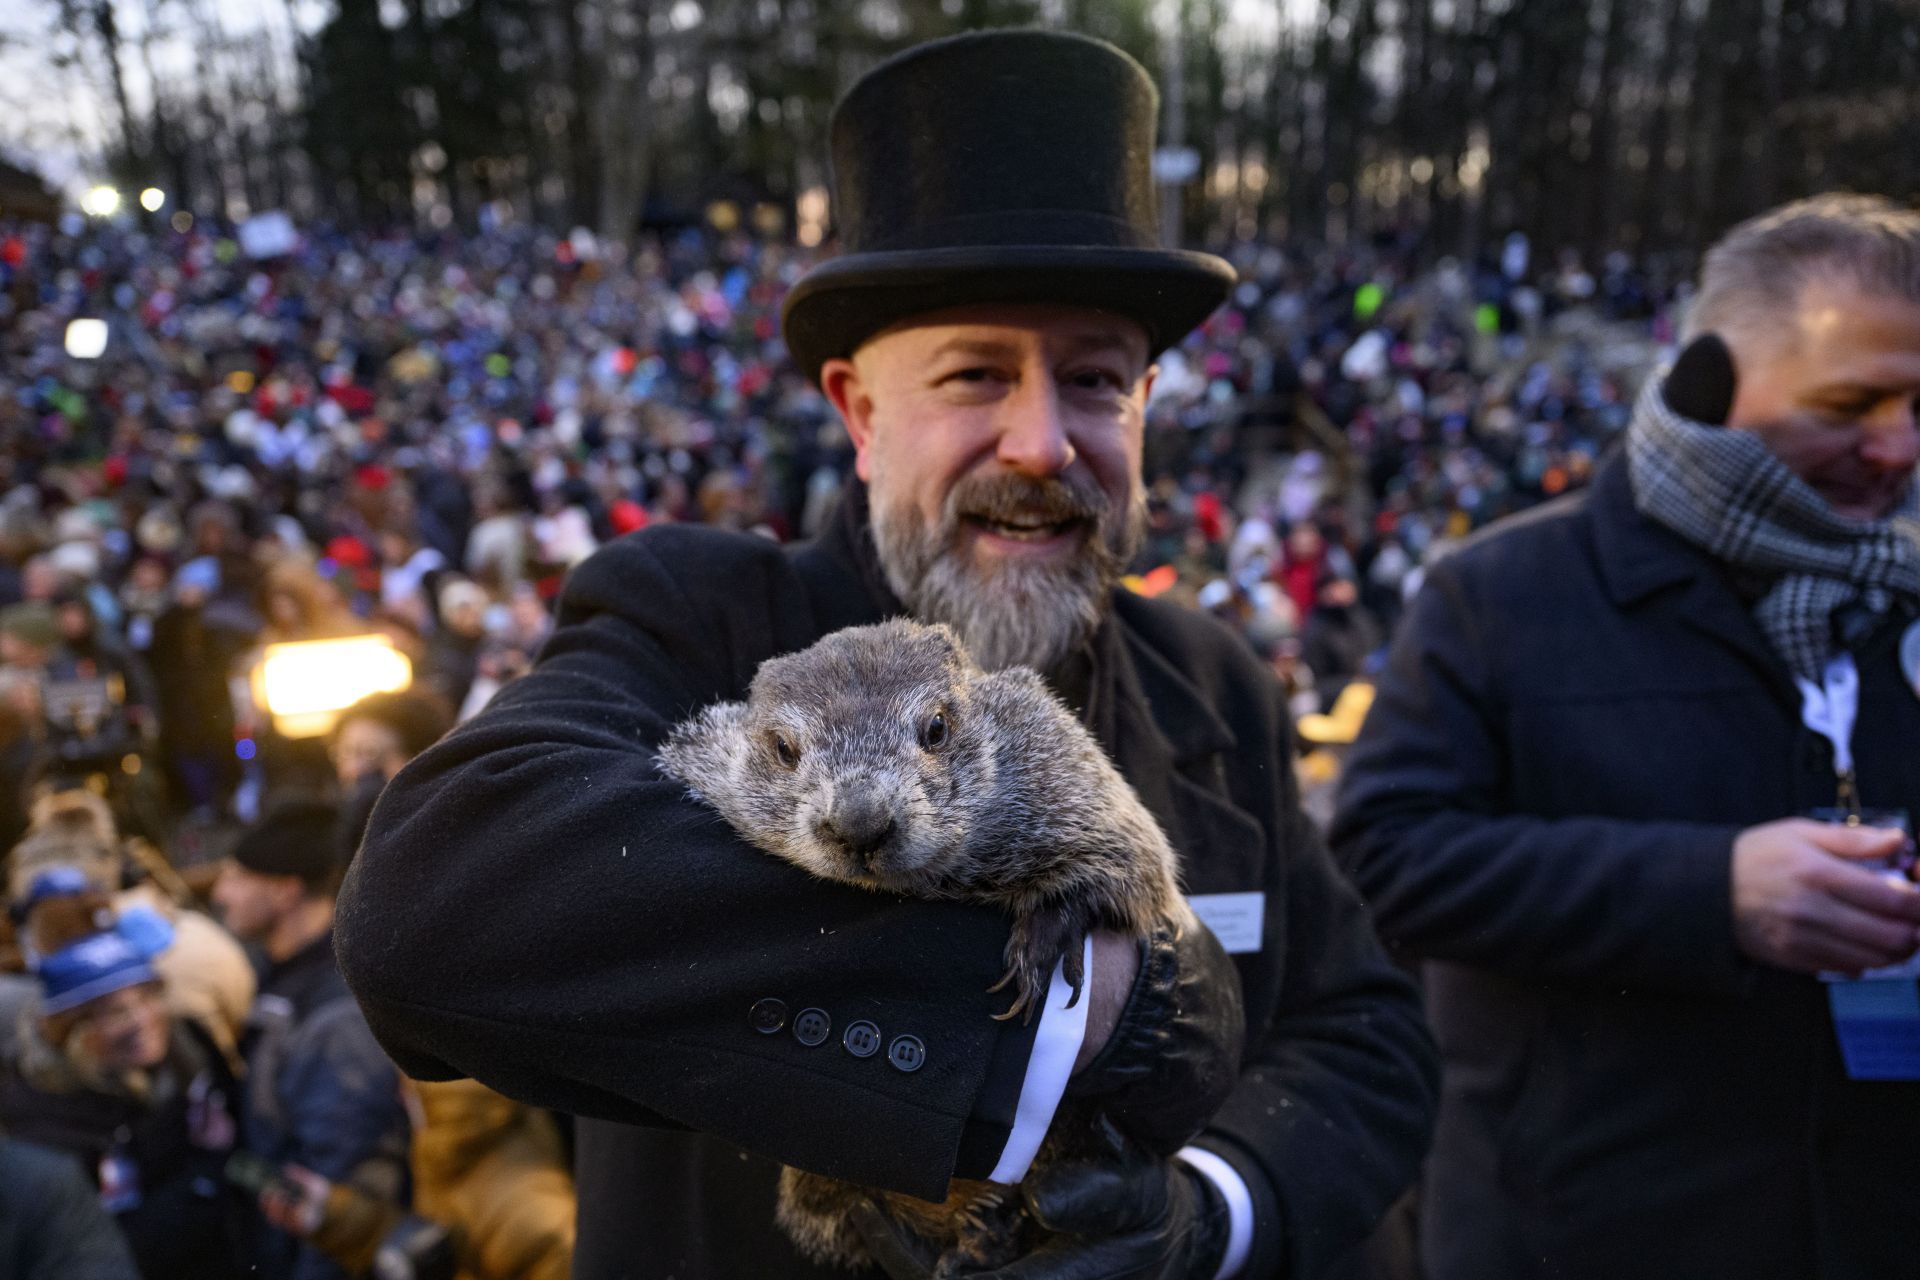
(1007, 613)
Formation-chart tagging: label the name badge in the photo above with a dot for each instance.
(1237, 919)
(1878, 1023)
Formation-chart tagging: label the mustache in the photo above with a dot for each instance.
(1010, 496)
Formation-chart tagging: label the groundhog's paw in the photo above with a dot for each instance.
(1041, 938)
(989, 1235)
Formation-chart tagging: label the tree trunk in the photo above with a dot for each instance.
(623, 129)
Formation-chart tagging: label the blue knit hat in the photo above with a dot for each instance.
(103, 963)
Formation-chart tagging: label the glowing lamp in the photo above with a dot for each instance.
(306, 684)
(152, 198)
(86, 338)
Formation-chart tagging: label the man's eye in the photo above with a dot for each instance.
(1099, 380)
(981, 374)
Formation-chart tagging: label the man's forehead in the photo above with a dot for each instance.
(1006, 324)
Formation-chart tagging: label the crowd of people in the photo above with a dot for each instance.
(419, 436)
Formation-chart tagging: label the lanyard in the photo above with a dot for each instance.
(1829, 709)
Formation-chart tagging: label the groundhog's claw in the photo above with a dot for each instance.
(1042, 938)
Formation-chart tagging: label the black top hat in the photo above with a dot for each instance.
(999, 166)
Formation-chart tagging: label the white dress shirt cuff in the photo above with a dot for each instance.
(1233, 1189)
(1056, 1044)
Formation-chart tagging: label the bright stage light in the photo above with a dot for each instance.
(101, 202)
(152, 198)
(305, 685)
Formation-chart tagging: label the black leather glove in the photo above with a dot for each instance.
(1175, 1055)
(1170, 1063)
(1134, 1217)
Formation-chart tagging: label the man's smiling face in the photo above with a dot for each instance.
(1002, 447)
(1835, 395)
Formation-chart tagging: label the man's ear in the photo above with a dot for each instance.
(842, 385)
(1701, 383)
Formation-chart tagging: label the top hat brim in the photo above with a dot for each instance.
(841, 303)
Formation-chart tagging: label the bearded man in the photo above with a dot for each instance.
(536, 906)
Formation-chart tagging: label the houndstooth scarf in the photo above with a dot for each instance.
(1725, 492)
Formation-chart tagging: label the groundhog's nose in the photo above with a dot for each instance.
(860, 824)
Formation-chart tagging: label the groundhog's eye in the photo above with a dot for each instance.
(934, 731)
(783, 748)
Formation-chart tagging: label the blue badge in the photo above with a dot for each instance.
(119, 1183)
(1878, 1022)
(1910, 657)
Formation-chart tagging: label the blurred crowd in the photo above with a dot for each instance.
(416, 437)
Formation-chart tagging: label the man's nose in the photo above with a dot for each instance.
(1892, 440)
(1033, 429)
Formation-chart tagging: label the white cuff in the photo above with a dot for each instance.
(1233, 1189)
(1056, 1043)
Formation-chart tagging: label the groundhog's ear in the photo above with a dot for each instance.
(709, 750)
(950, 640)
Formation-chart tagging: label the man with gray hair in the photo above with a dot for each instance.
(1637, 788)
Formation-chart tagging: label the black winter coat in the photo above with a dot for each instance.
(1578, 716)
(535, 905)
(51, 1224)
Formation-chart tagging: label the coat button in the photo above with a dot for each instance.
(907, 1053)
(862, 1039)
(768, 1016)
(810, 1026)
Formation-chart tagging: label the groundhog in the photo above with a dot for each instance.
(883, 757)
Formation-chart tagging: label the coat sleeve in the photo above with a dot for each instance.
(537, 907)
(1336, 1102)
(1427, 826)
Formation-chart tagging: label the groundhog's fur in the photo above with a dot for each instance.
(883, 757)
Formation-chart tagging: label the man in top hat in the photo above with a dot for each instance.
(537, 906)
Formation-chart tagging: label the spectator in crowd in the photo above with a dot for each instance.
(321, 1096)
(104, 1071)
(1633, 786)
(196, 646)
(51, 1224)
(453, 656)
(372, 741)
(204, 973)
(1340, 637)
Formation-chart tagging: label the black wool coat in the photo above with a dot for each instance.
(1578, 717)
(536, 906)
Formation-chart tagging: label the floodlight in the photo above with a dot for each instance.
(306, 684)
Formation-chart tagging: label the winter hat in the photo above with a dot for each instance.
(295, 838)
(100, 963)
